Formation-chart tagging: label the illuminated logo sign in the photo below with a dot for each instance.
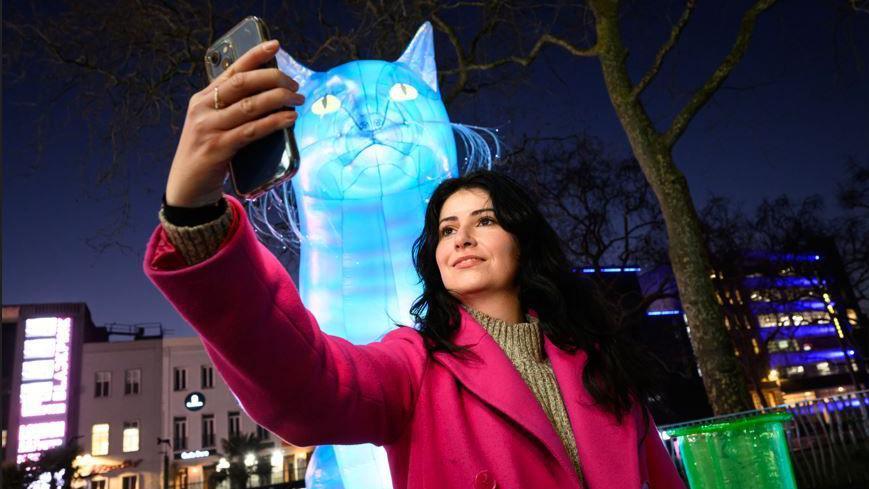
(193, 454)
(44, 386)
(194, 401)
(92, 470)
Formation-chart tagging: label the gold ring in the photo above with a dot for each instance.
(217, 103)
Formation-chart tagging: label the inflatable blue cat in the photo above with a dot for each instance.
(375, 140)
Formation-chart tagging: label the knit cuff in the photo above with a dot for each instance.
(198, 243)
(193, 216)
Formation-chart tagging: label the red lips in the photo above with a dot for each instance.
(467, 257)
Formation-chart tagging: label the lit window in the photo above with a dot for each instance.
(824, 368)
(131, 436)
(132, 380)
(100, 439)
(181, 478)
(772, 320)
(301, 465)
(783, 344)
(796, 369)
(277, 459)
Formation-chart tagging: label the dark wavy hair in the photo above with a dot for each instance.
(571, 313)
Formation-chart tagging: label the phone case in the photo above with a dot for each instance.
(273, 159)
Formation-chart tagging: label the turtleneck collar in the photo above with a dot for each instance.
(519, 340)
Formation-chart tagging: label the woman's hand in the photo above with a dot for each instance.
(246, 95)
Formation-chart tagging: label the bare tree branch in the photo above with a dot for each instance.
(675, 33)
(465, 58)
(532, 54)
(704, 93)
(859, 6)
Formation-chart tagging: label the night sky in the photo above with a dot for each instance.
(792, 113)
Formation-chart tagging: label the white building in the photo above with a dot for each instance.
(121, 413)
(135, 406)
(136, 393)
(201, 411)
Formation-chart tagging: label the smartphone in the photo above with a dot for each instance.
(273, 159)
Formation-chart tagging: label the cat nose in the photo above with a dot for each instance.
(371, 123)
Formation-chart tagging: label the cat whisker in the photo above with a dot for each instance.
(477, 150)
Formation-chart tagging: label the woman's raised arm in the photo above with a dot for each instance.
(306, 386)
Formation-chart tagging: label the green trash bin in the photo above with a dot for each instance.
(750, 452)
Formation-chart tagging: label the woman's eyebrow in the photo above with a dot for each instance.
(474, 213)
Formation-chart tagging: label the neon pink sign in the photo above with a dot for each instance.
(44, 386)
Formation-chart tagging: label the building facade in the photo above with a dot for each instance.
(201, 412)
(41, 364)
(121, 414)
(148, 412)
(796, 325)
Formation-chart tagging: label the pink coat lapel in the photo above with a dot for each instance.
(496, 381)
(608, 452)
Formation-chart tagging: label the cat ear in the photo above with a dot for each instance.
(292, 68)
(419, 56)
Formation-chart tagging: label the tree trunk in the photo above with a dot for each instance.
(722, 375)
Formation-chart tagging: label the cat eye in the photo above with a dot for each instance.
(402, 91)
(326, 105)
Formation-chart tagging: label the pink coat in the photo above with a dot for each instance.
(445, 423)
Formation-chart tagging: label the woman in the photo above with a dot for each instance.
(511, 379)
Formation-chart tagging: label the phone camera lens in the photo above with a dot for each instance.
(214, 57)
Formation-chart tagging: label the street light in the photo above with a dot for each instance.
(277, 462)
(168, 443)
(250, 459)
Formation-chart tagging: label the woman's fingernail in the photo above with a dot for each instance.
(270, 45)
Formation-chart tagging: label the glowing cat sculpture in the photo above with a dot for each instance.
(375, 140)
